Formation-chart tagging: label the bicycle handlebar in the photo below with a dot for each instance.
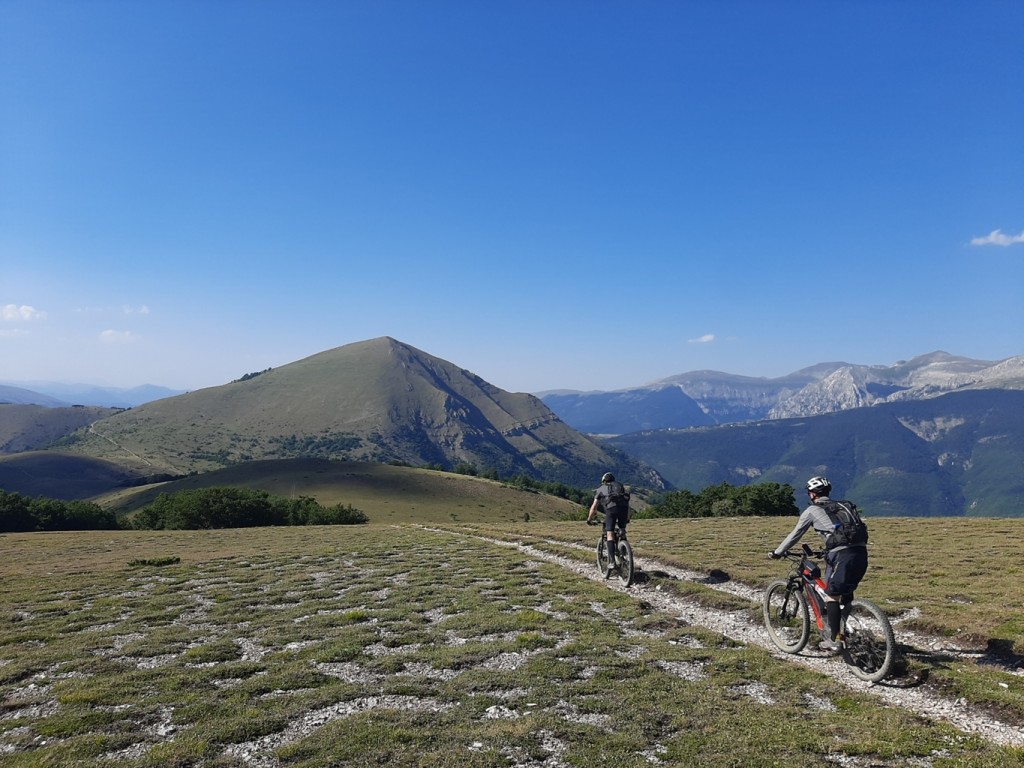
(796, 557)
(818, 554)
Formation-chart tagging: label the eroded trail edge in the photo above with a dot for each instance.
(738, 626)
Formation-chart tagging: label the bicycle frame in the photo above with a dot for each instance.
(808, 575)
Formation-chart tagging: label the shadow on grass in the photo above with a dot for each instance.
(1000, 652)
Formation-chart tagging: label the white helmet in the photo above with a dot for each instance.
(819, 485)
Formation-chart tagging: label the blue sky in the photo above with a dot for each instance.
(579, 195)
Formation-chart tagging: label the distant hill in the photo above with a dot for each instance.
(32, 427)
(956, 454)
(21, 396)
(703, 398)
(62, 476)
(53, 394)
(378, 400)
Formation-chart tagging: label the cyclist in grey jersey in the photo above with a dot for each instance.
(845, 566)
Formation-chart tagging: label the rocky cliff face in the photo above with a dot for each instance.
(927, 376)
(707, 398)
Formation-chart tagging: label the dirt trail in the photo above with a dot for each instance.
(738, 626)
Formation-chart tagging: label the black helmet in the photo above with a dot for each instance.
(607, 477)
(819, 485)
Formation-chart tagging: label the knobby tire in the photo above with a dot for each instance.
(786, 616)
(602, 557)
(869, 644)
(625, 563)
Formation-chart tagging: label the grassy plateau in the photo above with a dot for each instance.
(436, 645)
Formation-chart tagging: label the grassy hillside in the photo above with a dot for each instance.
(385, 493)
(379, 400)
(30, 427)
(63, 476)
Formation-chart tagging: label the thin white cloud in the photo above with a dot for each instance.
(11, 333)
(707, 338)
(124, 309)
(14, 313)
(110, 336)
(996, 237)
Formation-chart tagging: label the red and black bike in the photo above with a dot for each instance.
(866, 638)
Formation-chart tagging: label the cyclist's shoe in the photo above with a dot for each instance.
(830, 646)
(612, 566)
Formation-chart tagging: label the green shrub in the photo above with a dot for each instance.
(724, 500)
(239, 508)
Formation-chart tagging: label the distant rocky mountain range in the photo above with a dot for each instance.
(694, 399)
(934, 435)
(707, 398)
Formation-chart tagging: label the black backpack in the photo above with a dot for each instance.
(618, 496)
(848, 530)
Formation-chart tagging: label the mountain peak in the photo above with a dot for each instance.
(375, 400)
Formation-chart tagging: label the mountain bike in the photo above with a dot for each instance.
(866, 639)
(624, 555)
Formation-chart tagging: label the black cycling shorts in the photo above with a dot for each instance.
(844, 570)
(613, 515)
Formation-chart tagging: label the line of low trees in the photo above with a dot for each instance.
(19, 514)
(185, 510)
(724, 500)
(244, 508)
(239, 508)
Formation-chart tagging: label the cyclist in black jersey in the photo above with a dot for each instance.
(612, 499)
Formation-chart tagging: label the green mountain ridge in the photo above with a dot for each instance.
(378, 400)
(957, 454)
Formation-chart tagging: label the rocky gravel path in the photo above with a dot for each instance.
(737, 625)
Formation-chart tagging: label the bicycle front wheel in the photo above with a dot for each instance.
(869, 645)
(786, 616)
(625, 563)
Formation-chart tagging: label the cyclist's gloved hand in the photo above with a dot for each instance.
(774, 556)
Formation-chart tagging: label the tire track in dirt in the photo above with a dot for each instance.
(738, 626)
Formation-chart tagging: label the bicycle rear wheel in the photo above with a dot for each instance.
(869, 645)
(625, 562)
(602, 557)
(786, 616)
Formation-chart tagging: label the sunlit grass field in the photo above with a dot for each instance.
(399, 645)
